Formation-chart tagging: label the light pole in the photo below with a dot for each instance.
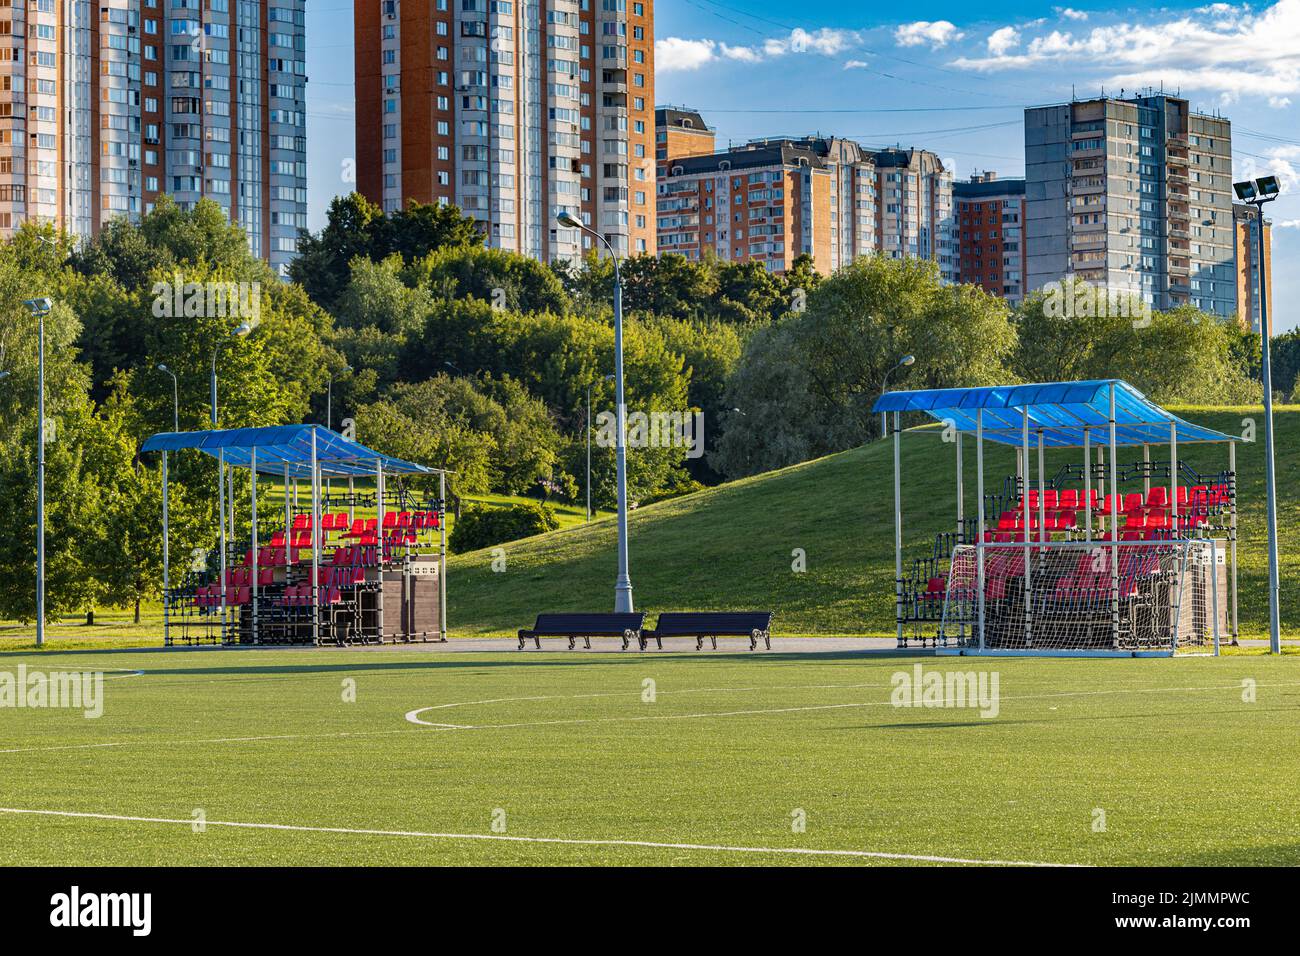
(904, 361)
(329, 396)
(238, 332)
(40, 308)
(176, 397)
(623, 583)
(1258, 192)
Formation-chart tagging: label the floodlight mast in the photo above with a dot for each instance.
(1258, 192)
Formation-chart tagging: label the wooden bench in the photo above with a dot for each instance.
(585, 626)
(755, 625)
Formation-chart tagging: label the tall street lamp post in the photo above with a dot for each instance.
(623, 583)
(176, 398)
(903, 362)
(40, 308)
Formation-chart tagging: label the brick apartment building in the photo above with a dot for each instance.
(990, 234)
(513, 110)
(1249, 260)
(773, 200)
(104, 107)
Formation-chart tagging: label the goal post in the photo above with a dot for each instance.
(1086, 597)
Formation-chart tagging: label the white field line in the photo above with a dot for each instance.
(412, 717)
(504, 838)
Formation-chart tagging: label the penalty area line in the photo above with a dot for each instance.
(506, 838)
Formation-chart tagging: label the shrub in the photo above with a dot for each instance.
(482, 527)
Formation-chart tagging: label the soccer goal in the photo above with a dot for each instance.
(1062, 596)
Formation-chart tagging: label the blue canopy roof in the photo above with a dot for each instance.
(286, 445)
(1062, 410)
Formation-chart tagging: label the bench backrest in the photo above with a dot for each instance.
(713, 622)
(593, 624)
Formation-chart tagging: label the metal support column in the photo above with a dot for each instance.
(167, 594)
(315, 551)
(1027, 534)
(898, 531)
(221, 541)
(1087, 485)
(252, 485)
(1114, 530)
(961, 491)
(1232, 542)
(1042, 487)
(379, 536)
(979, 499)
(442, 555)
(1173, 478)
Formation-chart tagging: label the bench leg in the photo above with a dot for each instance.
(753, 640)
(659, 642)
(587, 642)
(538, 641)
(570, 642)
(713, 638)
(521, 643)
(699, 642)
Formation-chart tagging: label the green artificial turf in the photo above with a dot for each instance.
(732, 749)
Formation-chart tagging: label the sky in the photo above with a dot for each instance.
(955, 80)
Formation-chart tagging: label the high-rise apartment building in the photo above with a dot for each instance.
(513, 110)
(104, 107)
(1251, 258)
(1132, 194)
(772, 200)
(767, 203)
(990, 214)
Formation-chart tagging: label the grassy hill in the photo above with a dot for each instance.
(733, 546)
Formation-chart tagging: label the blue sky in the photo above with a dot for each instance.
(941, 79)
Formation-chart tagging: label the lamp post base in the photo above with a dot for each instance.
(623, 597)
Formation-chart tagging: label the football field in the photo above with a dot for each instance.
(419, 756)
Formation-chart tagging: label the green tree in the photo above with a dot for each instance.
(357, 227)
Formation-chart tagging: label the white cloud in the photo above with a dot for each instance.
(1282, 162)
(931, 33)
(855, 64)
(677, 54)
(1071, 14)
(1002, 40)
(1279, 102)
(1287, 224)
(1218, 52)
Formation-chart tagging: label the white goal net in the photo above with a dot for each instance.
(1082, 596)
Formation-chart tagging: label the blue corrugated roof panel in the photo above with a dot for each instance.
(1062, 410)
(281, 446)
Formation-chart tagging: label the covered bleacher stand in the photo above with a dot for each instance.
(1098, 556)
(361, 560)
